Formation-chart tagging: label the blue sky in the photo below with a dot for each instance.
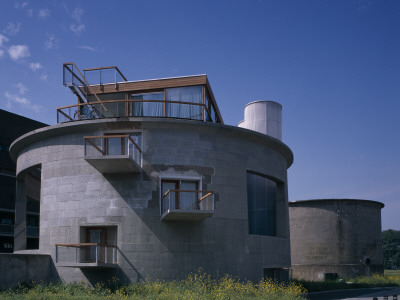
(333, 65)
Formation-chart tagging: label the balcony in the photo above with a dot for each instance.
(135, 108)
(113, 153)
(6, 230)
(86, 255)
(187, 205)
(32, 231)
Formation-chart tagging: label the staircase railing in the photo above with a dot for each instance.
(82, 80)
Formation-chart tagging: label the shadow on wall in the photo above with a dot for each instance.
(108, 276)
(25, 268)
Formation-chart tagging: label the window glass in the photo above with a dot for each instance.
(184, 196)
(146, 108)
(192, 94)
(110, 110)
(261, 197)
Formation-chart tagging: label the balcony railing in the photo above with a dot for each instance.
(6, 229)
(134, 108)
(83, 255)
(32, 231)
(113, 153)
(190, 205)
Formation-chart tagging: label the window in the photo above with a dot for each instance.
(261, 198)
(179, 194)
(186, 95)
(151, 105)
(106, 240)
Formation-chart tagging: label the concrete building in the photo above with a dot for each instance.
(333, 238)
(13, 126)
(142, 178)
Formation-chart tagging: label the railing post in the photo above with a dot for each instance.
(169, 200)
(56, 254)
(97, 254)
(114, 254)
(76, 254)
(105, 254)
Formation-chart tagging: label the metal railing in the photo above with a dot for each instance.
(86, 253)
(126, 108)
(6, 229)
(102, 79)
(32, 231)
(103, 145)
(187, 200)
(77, 82)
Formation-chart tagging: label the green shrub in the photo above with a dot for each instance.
(195, 286)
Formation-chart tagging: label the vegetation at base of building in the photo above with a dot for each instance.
(195, 286)
(353, 283)
(391, 249)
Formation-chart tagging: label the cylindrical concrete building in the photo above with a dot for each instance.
(145, 180)
(264, 117)
(333, 238)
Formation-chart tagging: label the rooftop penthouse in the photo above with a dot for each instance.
(106, 93)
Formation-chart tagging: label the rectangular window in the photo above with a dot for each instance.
(99, 244)
(182, 194)
(151, 106)
(187, 95)
(261, 197)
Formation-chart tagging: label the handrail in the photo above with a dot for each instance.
(88, 138)
(84, 245)
(189, 191)
(87, 83)
(104, 68)
(73, 74)
(132, 100)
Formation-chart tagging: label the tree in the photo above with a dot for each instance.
(391, 248)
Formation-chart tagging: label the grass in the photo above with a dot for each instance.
(392, 272)
(387, 280)
(195, 286)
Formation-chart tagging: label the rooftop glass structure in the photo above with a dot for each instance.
(106, 93)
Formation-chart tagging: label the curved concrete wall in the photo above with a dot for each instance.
(264, 117)
(335, 236)
(74, 194)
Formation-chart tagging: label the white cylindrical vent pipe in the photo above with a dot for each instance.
(264, 117)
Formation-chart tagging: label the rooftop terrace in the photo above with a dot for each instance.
(106, 93)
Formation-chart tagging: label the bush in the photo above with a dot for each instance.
(196, 286)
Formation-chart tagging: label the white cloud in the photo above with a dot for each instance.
(22, 89)
(18, 51)
(77, 14)
(22, 101)
(1, 53)
(77, 29)
(43, 13)
(21, 4)
(3, 40)
(30, 12)
(12, 28)
(43, 77)
(35, 66)
(51, 42)
(87, 48)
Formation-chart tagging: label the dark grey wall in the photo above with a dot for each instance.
(74, 194)
(25, 268)
(335, 236)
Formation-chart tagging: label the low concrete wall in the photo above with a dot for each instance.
(18, 268)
